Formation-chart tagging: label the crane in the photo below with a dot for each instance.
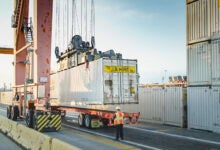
(32, 50)
(32, 56)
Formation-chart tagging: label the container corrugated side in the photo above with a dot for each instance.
(156, 105)
(6, 98)
(199, 64)
(215, 18)
(198, 21)
(199, 104)
(174, 106)
(81, 85)
(216, 62)
(78, 86)
(216, 109)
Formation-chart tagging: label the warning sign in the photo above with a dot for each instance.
(120, 69)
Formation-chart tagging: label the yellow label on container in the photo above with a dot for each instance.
(120, 69)
(218, 3)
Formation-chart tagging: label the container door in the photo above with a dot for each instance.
(199, 108)
(216, 110)
(128, 81)
(216, 62)
(173, 105)
(120, 81)
(158, 104)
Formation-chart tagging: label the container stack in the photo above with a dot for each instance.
(203, 64)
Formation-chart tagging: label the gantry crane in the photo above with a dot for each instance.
(32, 56)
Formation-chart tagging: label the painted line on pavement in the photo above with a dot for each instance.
(2, 109)
(110, 137)
(175, 135)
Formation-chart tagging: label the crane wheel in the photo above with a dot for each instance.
(29, 118)
(9, 112)
(14, 113)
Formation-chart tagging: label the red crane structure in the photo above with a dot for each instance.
(32, 56)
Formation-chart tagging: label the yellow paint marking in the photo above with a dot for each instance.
(163, 130)
(55, 122)
(55, 119)
(46, 122)
(42, 122)
(102, 140)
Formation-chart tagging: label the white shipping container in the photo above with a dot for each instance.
(215, 18)
(199, 64)
(156, 105)
(199, 104)
(198, 21)
(216, 62)
(204, 108)
(105, 81)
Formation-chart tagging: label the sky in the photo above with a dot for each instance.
(151, 31)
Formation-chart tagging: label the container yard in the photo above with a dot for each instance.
(71, 91)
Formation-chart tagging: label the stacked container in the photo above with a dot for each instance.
(203, 64)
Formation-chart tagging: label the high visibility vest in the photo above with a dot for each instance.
(119, 118)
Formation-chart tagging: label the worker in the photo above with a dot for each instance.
(118, 123)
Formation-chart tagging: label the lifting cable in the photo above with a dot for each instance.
(81, 14)
(67, 37)
(73, 18)
(86, 20)
(56, 23)
(59, 33)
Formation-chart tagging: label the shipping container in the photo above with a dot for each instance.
(204, 108)
(216, 62)
(199, 64)
(203, 20)
(216, 109)
(198, 21)
(215, 18)
(200, 107)
(157, 105)
(103, 81)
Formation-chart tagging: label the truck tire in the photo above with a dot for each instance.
(14, 113)
(81, 118)
(9, 112)
(88, 121)
(29, 118)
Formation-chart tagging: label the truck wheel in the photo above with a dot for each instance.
(35, 122)
(29, 118)
(9, 112)
(81, 120)
(14, 113)
(88, 121)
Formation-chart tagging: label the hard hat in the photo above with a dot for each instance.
(117, 107)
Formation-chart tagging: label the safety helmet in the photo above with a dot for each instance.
(117, 108)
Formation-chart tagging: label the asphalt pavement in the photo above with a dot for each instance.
(7, 144)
